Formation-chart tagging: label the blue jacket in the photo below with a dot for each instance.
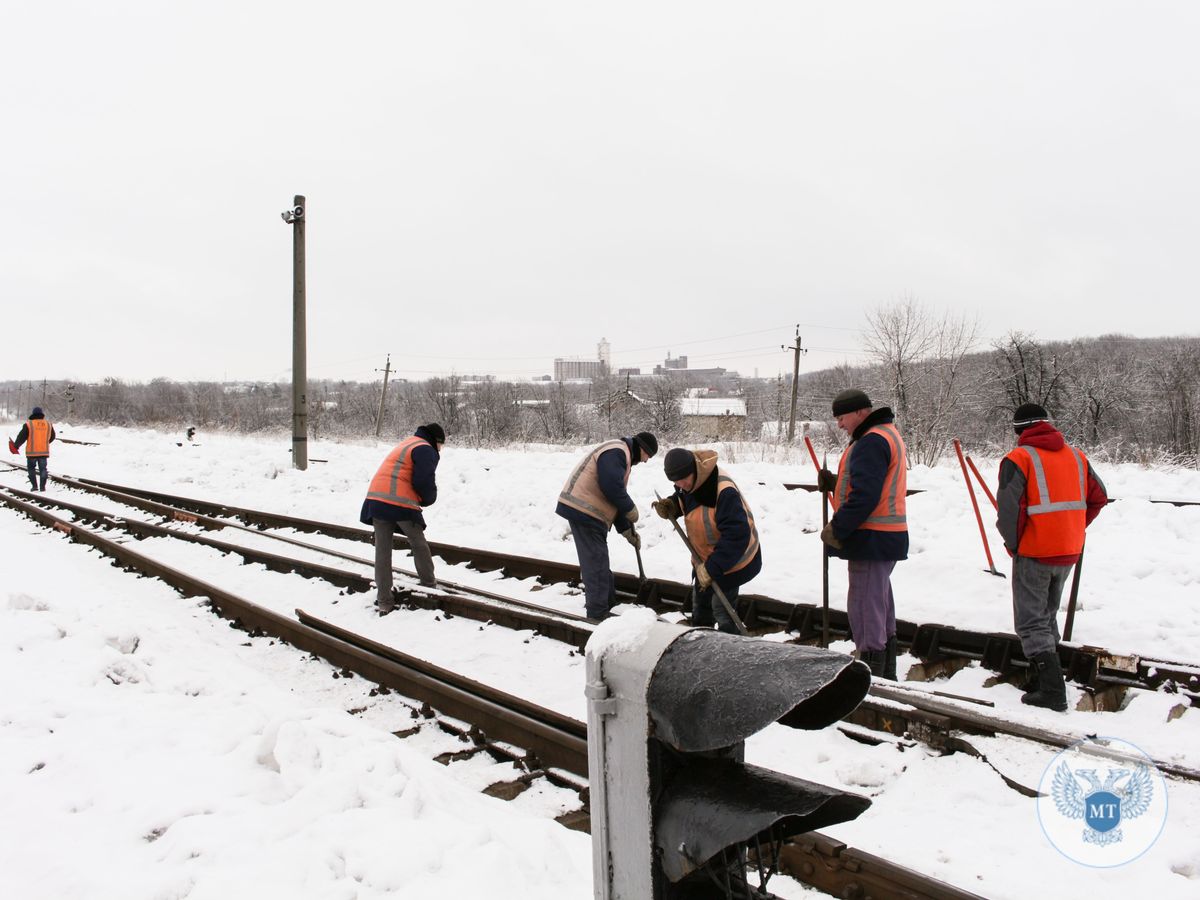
(610, 473)
(734, 527)
(425, 460)
(868, 468)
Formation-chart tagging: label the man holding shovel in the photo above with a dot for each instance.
(593, 500)
(720, 527)
(869, 528)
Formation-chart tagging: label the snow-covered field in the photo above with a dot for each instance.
(151, 751)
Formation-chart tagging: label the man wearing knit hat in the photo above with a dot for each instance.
(719, 525)
(403, 486)
(869, 527)
(1046, 498)
(592, 501)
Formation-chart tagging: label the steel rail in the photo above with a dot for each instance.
(494, 608)
(1106, 674)
(555, 740)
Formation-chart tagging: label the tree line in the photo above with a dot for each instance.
(1121, 398)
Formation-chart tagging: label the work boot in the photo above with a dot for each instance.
(875, 659)
(1052, 690)
(889, 659)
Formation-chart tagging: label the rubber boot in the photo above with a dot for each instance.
(874, 659)
(889, 659)
(1052, 690)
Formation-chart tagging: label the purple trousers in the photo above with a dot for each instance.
(870, 603)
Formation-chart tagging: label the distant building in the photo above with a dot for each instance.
(629, 371)
(568, 369)
(714, 418)
(680, 364)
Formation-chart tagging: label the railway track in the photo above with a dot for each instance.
(946, 723)
(941, 649)
(541, 742)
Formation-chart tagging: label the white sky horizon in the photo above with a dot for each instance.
(489, 188)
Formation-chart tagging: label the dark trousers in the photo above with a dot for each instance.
(707, 607)
(599, 588)
(870, 604)
(36, 466)
(385, 531)
(1037, 590)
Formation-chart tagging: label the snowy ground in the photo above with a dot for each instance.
(150, 751)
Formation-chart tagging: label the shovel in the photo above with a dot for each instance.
(647, 591)
(737, 621)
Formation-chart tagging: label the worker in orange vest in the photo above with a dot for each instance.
(403, 486)
(869, 527)
(1047, 496)
(719, 525)
(36, 434)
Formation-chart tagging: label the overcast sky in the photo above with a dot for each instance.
(493, 184)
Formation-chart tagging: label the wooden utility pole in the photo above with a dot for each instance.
(387, 369)
(43, 392)
(795, 382)
(295, 218)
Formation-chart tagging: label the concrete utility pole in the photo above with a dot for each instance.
(43, 392)
(387, 369)
(795, 382)
(295, 218)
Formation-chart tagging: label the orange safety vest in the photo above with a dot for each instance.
(37, 442)
(890, 514)
(703, 532)
(393, 482)
(582, 490)
(1056, 500)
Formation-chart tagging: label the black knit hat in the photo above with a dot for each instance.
(850, 400)
(436, 432)
(648, 443)
(679, 463)
(1029, 414)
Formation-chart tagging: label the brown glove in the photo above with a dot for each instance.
(633, 537)
(702, 577)
(830, 538)
(826, 481)
(667, 507)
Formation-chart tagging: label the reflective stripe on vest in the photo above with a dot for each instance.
(38, 441)
(1039, 473)
(890, 514)
(703, 532)
(582, 490)
(393, 482)
(1054, 521)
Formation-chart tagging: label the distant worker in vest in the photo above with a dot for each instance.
(719, 525)
(1047, 496)
(869, 528)
(592, 501)
(402, 487)
(36, 434)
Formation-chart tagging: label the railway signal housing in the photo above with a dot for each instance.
(676, 812)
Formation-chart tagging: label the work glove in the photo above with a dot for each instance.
(633, 537)
(632, 515)
(826, 481)
(12, 447)
(830, 538)
(667, 508)
(702, 577)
